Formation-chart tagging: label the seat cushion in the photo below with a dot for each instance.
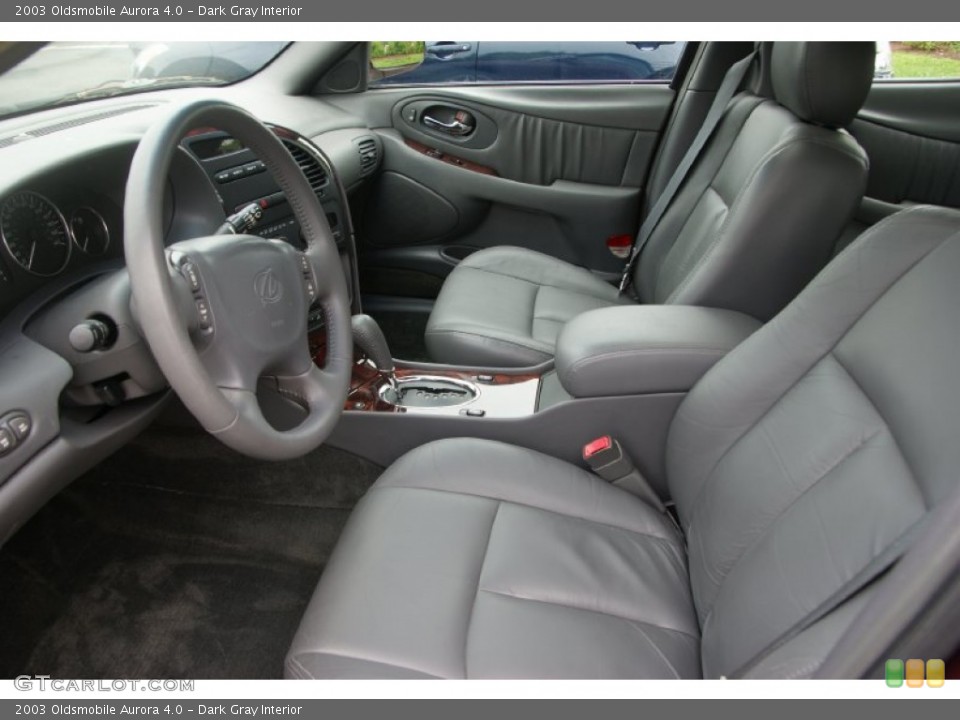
(505, 306)
(476, 559)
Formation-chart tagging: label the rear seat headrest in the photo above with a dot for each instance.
(824, 83)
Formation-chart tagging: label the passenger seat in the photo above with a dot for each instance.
(755, 219)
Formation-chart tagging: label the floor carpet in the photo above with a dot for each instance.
(174, 558)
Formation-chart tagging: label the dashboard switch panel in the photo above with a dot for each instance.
(7, 441)
(14, 429)
(20, 424)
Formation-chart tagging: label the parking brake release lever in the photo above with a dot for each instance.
(368, 336)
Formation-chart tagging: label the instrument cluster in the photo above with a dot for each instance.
(40, 237)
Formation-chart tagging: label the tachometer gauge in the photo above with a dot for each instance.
(35, 233)
(89, 231)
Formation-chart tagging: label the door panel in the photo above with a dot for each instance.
(911, 134)
(557, 169)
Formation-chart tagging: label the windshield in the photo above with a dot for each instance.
(68, 72)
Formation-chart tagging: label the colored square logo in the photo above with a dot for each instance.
(914, 673)
(936, 672)
(893, 671)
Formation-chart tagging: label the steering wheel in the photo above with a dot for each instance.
(226, 312)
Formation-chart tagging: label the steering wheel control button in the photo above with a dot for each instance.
(20, 425)
(192, 275)
(204, 317)
(308, 282)
(473, 412)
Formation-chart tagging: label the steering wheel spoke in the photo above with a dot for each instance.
(221, 312)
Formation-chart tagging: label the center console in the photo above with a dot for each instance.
(421, 390)
(619, 371)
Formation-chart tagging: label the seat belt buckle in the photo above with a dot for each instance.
(625, 278)
(620, 246)
(606, 458)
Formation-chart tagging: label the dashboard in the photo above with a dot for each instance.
(70, 217)
(63, 177)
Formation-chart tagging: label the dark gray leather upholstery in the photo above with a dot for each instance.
(754, 221)
(645, 349)
(479, 559)
(822, 82)
(505, 307)
(793, 462)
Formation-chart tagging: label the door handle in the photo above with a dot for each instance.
(461, 125)
(444, 51)
(454, 127)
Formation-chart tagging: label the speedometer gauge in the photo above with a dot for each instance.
(35, 233)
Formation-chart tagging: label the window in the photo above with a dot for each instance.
(916, 60)
(463, 62)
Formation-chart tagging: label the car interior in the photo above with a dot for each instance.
(305, 375)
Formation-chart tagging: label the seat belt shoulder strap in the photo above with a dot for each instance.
(728, 88)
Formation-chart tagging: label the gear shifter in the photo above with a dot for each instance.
(368, 336)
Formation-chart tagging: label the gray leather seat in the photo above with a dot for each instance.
(794, 461)
(755, 219)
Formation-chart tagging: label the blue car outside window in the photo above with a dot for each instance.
(460, 62)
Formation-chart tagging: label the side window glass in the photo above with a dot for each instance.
(392, 59)
(446, 62)
(586, 61)
(917, 60)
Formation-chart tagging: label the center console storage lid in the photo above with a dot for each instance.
(644, 349)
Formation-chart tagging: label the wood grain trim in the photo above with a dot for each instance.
(366, 382)
(449, 159)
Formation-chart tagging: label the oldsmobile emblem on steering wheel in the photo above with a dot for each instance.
(267, 286)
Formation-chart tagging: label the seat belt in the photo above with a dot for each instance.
(870, 572)
(728, 88)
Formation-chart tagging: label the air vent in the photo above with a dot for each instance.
(369, 155)
(310, 166)
(71, 123)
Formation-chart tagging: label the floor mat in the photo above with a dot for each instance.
(174, 558)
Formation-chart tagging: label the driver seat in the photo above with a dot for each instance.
(793, 463)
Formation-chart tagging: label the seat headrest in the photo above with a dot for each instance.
(822, 82)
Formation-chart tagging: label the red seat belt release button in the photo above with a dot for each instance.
(596, 446)
(620, 245)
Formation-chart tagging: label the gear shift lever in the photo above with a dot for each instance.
(368, 336)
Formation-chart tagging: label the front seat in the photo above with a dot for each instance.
(755, 219)
(793, 463)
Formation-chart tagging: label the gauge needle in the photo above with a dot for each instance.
(33, 250)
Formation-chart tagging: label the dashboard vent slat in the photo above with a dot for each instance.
(369, 155)
(71, 123)
(309, 165)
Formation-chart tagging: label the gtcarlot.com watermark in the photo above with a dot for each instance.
(45, 682)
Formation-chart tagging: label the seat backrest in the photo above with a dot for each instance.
(820, 440)
(761, 209)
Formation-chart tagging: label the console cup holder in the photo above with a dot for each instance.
(427, 391)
